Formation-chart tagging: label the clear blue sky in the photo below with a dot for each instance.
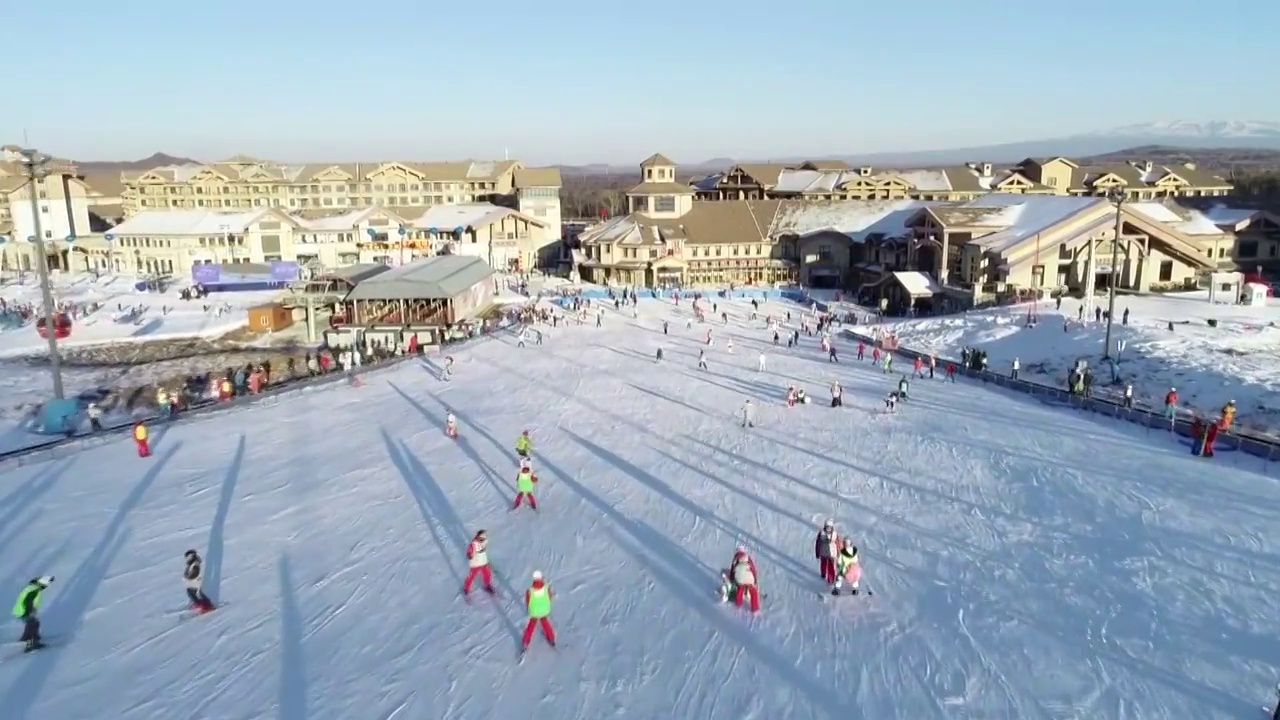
(576, 81)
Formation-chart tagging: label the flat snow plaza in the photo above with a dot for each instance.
(1018, 560)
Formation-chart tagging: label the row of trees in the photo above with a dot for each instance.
(1259, 189)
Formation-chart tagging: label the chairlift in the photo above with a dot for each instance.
(61, 326)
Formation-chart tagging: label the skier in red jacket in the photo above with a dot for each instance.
(745, 577)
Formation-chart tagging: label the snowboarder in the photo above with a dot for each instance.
(193, 576)
(825, 548)
(478, 562)
(525, 481)
(524, 445)
(140, 435)
(451, 426)
(538, 600)
(743, 573)
(25, 610)
(748, 415)
(848, 570)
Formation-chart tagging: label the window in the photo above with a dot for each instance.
(664, 203)
(1051, 181)
(1247, 249)
(1064, 252)
(1166, 271)
(824, 253)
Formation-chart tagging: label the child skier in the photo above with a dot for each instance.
(524, 445)
(742, 571)
(891, 402)
(525, 481)
(193, 576)
(538, 600)
(25, 610)
(903, 385)
(848, 570)
(140, 435)
(451, 426)
(748, 415)
(478, 561)
(824, 549)
(837, 394)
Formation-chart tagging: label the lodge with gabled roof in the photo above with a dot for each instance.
(988, 243)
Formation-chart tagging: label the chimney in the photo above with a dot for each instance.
(865, 171)
(1148, 165)
(986, 169)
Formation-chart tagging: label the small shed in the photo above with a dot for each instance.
(1225, 287)
(907, 290)
(269, 318)
(430, 292)
(1254, 294)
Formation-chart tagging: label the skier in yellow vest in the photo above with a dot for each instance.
(524, 445)
(538, 599)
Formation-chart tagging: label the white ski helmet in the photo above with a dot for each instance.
(742, 550)
(829, 523)
(537, 575)
(44, 580)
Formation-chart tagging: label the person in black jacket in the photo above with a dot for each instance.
(25, 610)
(193, 576)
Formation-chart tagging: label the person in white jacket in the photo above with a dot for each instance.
(748, 414)
(478, 562)
(760, 364)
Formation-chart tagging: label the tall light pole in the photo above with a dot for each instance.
(36, 165)
(1116, 195)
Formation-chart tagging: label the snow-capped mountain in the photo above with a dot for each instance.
(1206, 131)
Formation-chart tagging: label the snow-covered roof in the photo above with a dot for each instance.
(188, 222)
(1022, 216)
(1230, 217)
(448, 217)
(857, 219)
(926, 180)
(1195, 223)
(917, 283)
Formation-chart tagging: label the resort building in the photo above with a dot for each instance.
(975, 249)
(61, 201)
(172, 241)
(835, 180)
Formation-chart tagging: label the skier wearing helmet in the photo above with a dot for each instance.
(193, 576)
(538, 600)
(848, 568)
(745, 579)
(25, 610)
(524, 445)
(825, 548)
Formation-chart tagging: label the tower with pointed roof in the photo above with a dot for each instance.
(659, 195)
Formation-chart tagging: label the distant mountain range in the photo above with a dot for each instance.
(1198, 136)
(103, 167)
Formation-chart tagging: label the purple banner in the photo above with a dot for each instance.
(284, 271)
(244, 273)
(205, 274)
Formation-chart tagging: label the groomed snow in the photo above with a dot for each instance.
(1238, 360)
(1073, 568)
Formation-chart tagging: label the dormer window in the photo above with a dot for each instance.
(864, 171)
(648, 174)
(986, 169)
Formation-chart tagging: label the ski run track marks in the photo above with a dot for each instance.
(1027, 562)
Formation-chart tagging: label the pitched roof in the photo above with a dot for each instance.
(191, 222)
(718, 222)
(1185, 221)
(1019, 217)
(434, 278)
(538, 177)
(246, 170)
(656, 160)
(108, 184)
(856, 218)
(475, 215)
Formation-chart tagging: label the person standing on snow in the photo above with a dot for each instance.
(193, 576)
(525, 481)
(743, 573)
(1171, 406)
(140, 435)
(824, 549)
(760, 363)
(478, 561)
(837, 394)
(451, 426)
(524, 445)
(848, 569)
(748, 415)
(25, 610)
(538, 600)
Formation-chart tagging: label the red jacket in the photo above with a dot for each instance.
(1171, 399)
(537, 585)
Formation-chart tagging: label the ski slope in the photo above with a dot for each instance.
(1026, 562)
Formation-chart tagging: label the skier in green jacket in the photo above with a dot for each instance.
(524, 445)
(25, 610)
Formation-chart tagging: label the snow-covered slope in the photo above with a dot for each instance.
(1026, 562)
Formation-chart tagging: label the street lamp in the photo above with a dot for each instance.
(36, 167)
(1116, 196)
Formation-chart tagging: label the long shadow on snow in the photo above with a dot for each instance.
(505, 490)
(914, 530)
(19, 510)
(72, 600)
(213, 555)
(437, 510)
(685, 577)
(674, 401)
(292, 697)
(777, 557)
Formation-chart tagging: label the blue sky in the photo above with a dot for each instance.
(576, 81)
